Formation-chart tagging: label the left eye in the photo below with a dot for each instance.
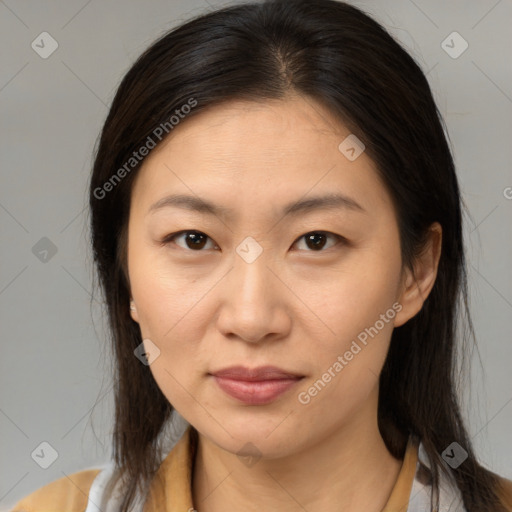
(196, 240)
(316, 239)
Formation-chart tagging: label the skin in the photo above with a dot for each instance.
(295, 307)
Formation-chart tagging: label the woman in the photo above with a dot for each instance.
(276, 223)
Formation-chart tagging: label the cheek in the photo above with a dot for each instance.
(173, 309)
(164, 294)
(356, 309)
(349, 358)
(351, 298)
(169, 318)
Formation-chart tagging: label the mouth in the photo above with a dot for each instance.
(258, 386)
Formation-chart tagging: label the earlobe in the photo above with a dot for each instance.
(417, 285)
(133, 311)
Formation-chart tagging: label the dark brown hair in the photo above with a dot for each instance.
(338, 56)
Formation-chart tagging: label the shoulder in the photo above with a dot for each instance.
(69, 493)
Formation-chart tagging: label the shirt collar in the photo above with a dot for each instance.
(171, 488)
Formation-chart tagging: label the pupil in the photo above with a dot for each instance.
(317, 244)
(195, 239)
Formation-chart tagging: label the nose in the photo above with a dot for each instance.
(253, 303)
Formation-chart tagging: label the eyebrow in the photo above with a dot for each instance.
(324, 202)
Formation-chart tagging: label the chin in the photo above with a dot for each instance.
(250, 436)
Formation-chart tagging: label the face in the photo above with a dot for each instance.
(314, 291)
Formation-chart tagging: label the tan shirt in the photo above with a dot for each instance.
(171, 489)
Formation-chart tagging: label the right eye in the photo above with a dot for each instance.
(192, 240)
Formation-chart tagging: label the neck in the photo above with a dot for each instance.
(350, 469)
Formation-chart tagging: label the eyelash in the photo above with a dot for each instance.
(169, 239)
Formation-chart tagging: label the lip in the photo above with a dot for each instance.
(257, 386)
(255, 374)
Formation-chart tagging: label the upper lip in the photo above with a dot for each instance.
(255, 374)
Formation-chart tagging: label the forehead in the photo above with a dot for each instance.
(261, 125)
(272, 150)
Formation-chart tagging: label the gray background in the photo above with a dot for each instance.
(54, 370)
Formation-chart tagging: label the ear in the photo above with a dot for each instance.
(133, 311)
(417, 284)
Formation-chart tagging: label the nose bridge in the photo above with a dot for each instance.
(250, 273)
(249, 304)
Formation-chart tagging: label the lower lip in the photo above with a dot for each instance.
(255, 392)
